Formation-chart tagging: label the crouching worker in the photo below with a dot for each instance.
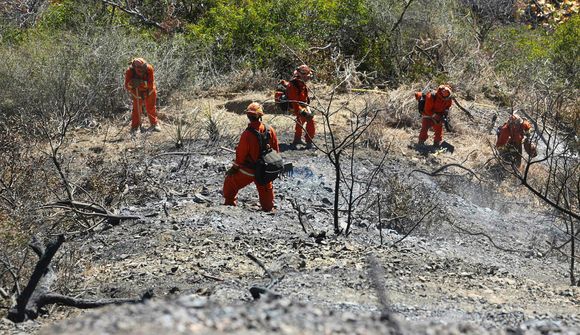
(434, 109)
(248, 152)
(140, 82)
(511, 136)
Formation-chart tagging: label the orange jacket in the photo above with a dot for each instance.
(248, 149)
(297, 91)
(434, 106)
(148, 78)
(513, 134)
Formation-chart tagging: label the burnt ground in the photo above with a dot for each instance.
(478, 263)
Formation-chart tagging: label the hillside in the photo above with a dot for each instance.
(477, 262)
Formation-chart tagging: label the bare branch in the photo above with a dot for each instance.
(444, 167)
(136, 14)
(396, 25)
(18, 313)
(468, 232)
(54, 298)
(415, 226)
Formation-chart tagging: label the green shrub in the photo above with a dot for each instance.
(565, 50)
(274, 34)
(516, 49)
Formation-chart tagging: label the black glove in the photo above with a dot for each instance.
(307, 112)
(232, 171)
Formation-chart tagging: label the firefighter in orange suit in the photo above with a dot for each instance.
(512, 135)
(241, 174)
(436, 107)
(140, 82)
(297, 94)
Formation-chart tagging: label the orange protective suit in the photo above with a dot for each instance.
(247, 152)
(512, 135)
(144, 91)
(432, 116)
(298, 92)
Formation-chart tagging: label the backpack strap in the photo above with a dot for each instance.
(263, 138)
(433, 93)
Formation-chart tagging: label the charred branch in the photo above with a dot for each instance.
(443, 168)
(12, 273)
(19, 312)
(37, 293)
(463, 109)
(396, 25)
(415, 225)
(301, 215)
(54, 298)
(87, 209)
(471, 233)
(258, 291)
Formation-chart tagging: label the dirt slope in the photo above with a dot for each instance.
(475, 265)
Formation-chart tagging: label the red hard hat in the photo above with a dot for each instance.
(304, 70)
(255, 108)
(444, 91)
(515, 119)
(138, 63)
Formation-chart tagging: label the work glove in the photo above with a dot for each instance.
(306, 112)
(232, 171)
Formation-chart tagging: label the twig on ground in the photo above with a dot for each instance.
(211, 277)
(463, 109)
(54, 298)
(415, 226)
(467, 232)
(436, 172)
(301, 218)
(90, 210)
(257, 291)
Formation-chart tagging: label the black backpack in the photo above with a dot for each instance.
(280, 95)
(421, 102)
(269, 164)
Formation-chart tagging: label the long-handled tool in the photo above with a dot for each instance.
(137, 100)
(140, 108)
(288, 169)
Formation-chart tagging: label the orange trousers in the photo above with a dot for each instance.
(310, 128)
(234, 183)
(150, 105)
(426, 124)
